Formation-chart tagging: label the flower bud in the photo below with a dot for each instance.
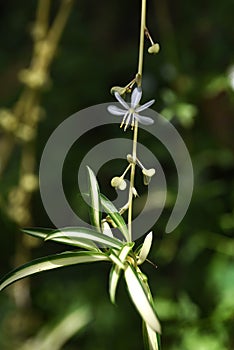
(147, 174)
(129, 158)
(118, 183)
(121, 90)
(154, 49)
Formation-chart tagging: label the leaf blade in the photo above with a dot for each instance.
(115, 259)
(51, 262)
(145, 248)
(82, 232)
(140, 299)
(151, 338)
(116, 271)
(95, 208)
(44, 232)
(112, 211)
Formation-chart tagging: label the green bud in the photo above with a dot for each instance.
(119, 182)
(154, 49)
(119, 89)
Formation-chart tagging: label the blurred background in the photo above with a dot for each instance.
(58, 57)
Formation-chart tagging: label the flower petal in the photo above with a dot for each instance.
(121, 101)
(136, 97)
(115, 110)
(143, 120)
(144, 106)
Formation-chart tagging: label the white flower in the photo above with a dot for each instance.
(131, 112)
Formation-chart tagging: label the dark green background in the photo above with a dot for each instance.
(194, 283)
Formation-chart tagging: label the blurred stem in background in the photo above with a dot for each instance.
(55, 335)
(20, 124)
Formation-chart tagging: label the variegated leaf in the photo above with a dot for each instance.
(51, 262)
(140, 299)
(85, 233)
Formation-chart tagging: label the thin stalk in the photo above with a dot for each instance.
(142, 37)
(135, 133)
(132, 176)
(126, 170)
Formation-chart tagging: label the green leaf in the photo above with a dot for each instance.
(85, 233)
(114, 277)
(95, 205)
(111, 210)
(38, 232)
(115, 259)
(151, 338)
(116, 271)
(51, 262)
(44, 232)
(106, 230)
(145, 248)
(140, 299)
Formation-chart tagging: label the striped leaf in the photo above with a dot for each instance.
(85, 233)
(115, 259)
(145, 248)
(106, 230)
(44, 232)
(116, 271)
(139, 297)
(51, 262)
(95, 205)
(118, 220)
(151, 338)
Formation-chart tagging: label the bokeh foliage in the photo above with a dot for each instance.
(192, 82)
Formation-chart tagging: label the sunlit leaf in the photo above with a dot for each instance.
(151, 338)
(112, 211)
(106, 230)
(51, 262)
(115, 259)
(114, 277)
(145, 248)
(140, 299)
(116, 271)
(44, 232)
(95, 212)
(85, 233)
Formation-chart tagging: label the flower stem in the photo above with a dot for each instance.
(126, 170)
(135, 133)
(142, 37)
